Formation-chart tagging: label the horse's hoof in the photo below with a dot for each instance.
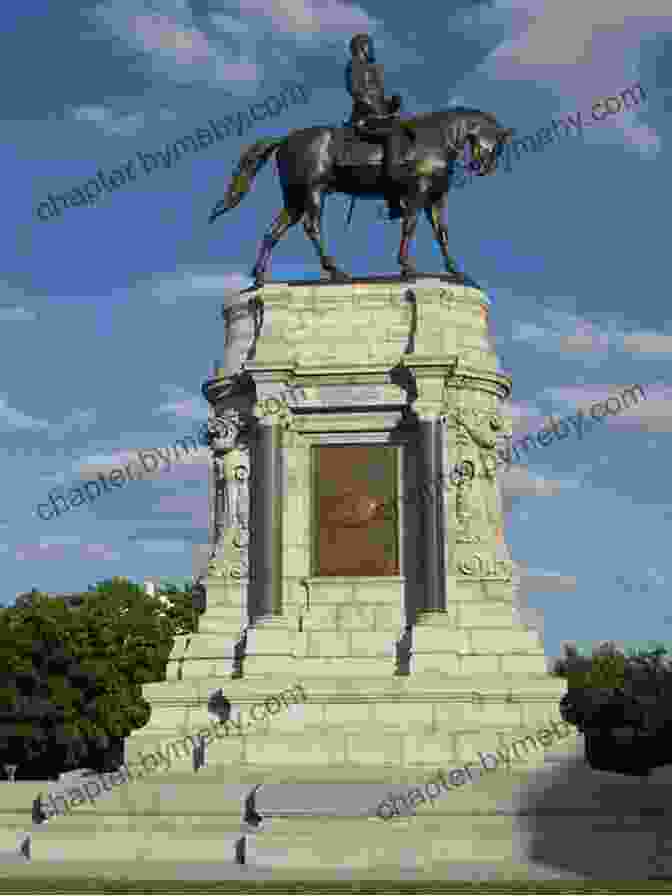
(259, 277)
(407, 273)
(451, 267)
(339, 277)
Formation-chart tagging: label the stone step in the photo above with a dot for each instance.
(298, 841)
(430, 841)
(349, 751)
(182, 818)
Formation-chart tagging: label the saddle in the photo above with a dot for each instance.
(353, 149)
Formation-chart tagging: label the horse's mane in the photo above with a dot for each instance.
(454, 112)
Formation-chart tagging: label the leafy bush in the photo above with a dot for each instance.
(71, 674)
(610, 690)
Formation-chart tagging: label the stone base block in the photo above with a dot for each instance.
(173, 752)
(348, 645)
(207, 655)
(276, 640)
(483, 613)
(355, 590)
(276, 749)
(226, 623)
(431, 665)
(502, 641)
(532, 663)
(430, 639)
(198, 668)
(497, 666)
(354, 617)
(326, 618)
(226, 598)
(257, 668)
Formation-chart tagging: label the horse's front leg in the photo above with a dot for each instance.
(408, 225)
(312, 226)
(434, 213)
(287, 218)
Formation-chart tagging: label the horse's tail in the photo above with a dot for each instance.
(252, 160)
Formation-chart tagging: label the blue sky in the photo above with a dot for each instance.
(109, 314)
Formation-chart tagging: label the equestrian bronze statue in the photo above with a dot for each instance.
(377, 155)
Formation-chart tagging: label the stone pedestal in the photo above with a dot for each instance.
(421, 664)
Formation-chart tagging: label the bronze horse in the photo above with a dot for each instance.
(314, 162)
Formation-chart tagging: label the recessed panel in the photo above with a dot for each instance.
(354, 506)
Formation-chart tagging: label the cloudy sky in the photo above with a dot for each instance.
(109, 313)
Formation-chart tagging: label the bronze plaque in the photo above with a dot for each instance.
(355, 520)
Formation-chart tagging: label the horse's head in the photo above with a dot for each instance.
(484, 141)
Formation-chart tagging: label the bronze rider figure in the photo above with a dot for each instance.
(374, 116)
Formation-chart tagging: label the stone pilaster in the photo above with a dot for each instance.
(269, 640)
(429, 639)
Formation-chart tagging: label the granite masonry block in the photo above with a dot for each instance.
(357, 617)
(348, 715)
(374, 748)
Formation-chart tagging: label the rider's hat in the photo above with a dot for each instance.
(358, 41)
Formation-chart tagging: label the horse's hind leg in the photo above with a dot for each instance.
(287, 218)
(408, 226)
(312, 226)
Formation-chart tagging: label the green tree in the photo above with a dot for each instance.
(72, 675)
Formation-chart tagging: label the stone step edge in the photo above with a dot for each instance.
(401, 688)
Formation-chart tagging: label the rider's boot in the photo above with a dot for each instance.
(390, 153)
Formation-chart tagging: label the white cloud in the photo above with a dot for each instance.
(100, 552)
(164, 547)
(10, 418)
(78, 419)
(81, 420)
(526, 582)
(647, 342)
(518, 482)
(15, 312)
(91, 467)
(185, 404)
(172, 44)
(591, 54)
(171, 288)
(564, 332)
(303, 16)
(653, 413)
(227, 24)
(60, 539)
(109, 122)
